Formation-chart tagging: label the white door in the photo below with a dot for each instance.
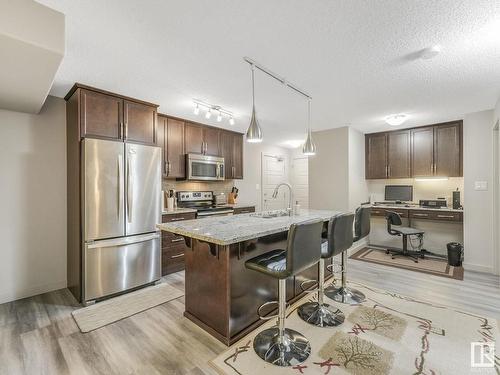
(273, 172)
(300, 181)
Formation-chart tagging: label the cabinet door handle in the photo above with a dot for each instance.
(177, 239)
(425, 215)
(126, 130)
(165, 168)
(168, 168)
(388, 171)
(176, 256)
(446, 216)
(176, 218)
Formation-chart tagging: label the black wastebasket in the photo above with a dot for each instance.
(455, 254)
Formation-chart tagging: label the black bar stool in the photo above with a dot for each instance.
(279, 345)
(339, 239)
(344, 294)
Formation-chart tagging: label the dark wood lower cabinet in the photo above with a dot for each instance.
(244, 210)
(173, 246)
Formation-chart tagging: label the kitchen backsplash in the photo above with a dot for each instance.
(216, 186)
(428, 189)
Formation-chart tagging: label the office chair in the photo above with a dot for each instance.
(393, 218)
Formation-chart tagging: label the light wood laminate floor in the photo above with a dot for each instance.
(38, 334)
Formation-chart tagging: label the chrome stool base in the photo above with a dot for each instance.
(293, 349)
(320, 315)
(345, 295)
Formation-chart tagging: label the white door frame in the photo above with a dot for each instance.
(496, 197)
(262, 155)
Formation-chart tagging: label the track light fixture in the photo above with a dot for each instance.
(212, 108)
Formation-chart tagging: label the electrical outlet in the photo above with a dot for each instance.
(257, 187)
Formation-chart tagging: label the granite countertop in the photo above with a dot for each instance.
(403, 207)
(178, 211)
(226, 230)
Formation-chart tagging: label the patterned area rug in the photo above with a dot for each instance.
(431, 266)
(387, 334)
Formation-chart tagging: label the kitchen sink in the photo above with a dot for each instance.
(270, 214)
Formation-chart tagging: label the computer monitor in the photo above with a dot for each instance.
(399, 193)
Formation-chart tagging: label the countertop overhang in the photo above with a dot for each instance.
(227, 230)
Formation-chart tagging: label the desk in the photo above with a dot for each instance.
(441, 226)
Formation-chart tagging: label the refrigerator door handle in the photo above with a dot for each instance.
(120, 185)
(123, 241)
(130, 187)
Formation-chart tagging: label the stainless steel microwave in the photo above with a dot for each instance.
(204, 167)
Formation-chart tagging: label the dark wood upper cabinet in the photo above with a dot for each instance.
(398, 154)
(376, 155)
(175, 148)
(101, 115)
(226, 151)
(139, 123)
(447, 150)
(238, 156)
(194, 139)
(231, 149)
(211, 139)
(105, 115)
(422, 140)
(434, 150)
(161, 141)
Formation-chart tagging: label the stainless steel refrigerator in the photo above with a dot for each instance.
(121, 190)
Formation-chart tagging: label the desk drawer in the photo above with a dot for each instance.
(436, 215)
(382, 211)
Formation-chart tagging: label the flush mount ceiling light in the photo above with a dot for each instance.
(221, 112)
(430, 52)
(254, 132)
(397, 119)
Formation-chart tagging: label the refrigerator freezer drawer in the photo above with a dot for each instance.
(113, 266)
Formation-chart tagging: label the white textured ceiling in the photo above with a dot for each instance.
(358, 59)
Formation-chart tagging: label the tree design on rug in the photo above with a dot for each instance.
(378, 321)
(358, 356)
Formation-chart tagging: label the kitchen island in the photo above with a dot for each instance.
(222, 296)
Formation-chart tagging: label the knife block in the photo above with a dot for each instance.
(231, 198)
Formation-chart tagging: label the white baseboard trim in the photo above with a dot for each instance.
(357, 246)
(478, 268)
(32, 291)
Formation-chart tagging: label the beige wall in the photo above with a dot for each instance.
(337, 171)
(478, 205)
(329, 170)
(33, 201)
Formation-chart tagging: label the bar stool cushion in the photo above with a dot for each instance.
(340, 235)
(362, 223)
(272, 263)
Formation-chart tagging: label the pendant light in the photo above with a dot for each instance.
(309, 147)
(254, 132)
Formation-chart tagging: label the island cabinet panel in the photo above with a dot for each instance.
(398, 154)
(447, 150)
(194, 143)
(101, 115)
(139, 123)
(223, 296)
(376, 155)
(422, 140)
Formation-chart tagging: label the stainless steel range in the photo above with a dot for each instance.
(203, 203)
